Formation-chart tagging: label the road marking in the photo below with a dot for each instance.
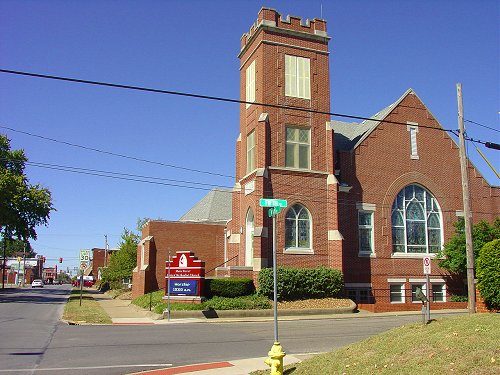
(88, 367)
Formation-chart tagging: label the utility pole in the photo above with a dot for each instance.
(105, 250)
(467, 211)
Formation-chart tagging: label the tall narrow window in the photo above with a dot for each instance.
(250, 84)
(416, 222)
(298, 227)
(365, 228)
(297, 77)
(413, 129)
(251, 151)
(249, 233)
(298, 145)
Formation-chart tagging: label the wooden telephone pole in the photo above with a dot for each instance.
(467, 211)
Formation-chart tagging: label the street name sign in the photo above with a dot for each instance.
(265, 202)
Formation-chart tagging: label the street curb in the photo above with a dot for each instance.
(227, 314)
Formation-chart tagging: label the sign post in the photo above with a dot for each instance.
(276, 354)
(84, 259)
(427, 273)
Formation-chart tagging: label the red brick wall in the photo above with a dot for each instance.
(379, 168)
(268, 47)
(98, 260)
(206, 241)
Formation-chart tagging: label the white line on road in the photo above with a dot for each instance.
(87, 367)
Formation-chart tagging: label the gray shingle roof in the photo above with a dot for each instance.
(215, 207)
(349, 135)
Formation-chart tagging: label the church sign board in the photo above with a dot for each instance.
(187, 275)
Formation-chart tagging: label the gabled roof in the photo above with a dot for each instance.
(215, 207)
(349, 135)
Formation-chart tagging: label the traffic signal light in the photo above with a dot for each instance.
(60, 260)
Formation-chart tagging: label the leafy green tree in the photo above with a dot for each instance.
(15, 247)
(488, 274)
(454, 250)
(123, 261)
(22, 206)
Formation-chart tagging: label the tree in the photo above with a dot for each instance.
(454, 250)
(16, 247)
(23, 207)
(123, 261)
(488, 274)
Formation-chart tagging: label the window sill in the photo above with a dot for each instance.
(413, 255)
(366, 255)
(397, 302)
(298, 251)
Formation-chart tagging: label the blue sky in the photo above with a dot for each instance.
(378, 50)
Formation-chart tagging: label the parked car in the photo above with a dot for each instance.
(37, 283)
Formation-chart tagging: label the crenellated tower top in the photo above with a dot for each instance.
(270, 19)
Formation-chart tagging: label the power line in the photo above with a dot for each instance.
(114, 153)
(484, 126)
(207, 97)
(340, 201)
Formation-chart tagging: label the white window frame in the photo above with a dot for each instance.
(250, 84)
(443, 291)
(251, 151)
(365, 208)
(297, 77)
(402, 290)
(427, 211)
(296, 148)
(296, 248)
(412, 127)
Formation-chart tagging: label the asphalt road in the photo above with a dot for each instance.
(34, 342)
(29, 318)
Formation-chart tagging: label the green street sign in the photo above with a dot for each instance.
(273, 211)
(264, 202)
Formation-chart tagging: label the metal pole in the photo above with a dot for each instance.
(24, 264)
(428, 305)
(168, 288)
(275, 278)
(471, 288)
(4, 261)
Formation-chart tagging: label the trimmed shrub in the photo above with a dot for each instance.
(229, 287)
(254, 302)
(459, 298)
(488, 274)
(301, 283)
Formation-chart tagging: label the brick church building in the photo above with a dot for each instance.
(370, 199)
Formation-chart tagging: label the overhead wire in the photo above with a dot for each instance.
(207, 97)
(309, 196)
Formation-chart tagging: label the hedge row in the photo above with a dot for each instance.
(229, 287)
(301, 283)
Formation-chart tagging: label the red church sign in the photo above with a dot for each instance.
(187, 275)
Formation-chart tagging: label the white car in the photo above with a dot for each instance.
(37, 283)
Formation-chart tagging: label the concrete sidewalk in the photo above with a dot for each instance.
(123, 312)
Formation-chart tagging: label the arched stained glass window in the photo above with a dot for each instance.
(298, 227)
(416, 222)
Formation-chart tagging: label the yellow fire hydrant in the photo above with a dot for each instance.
(275, 360)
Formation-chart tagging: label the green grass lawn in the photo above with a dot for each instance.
(89, 312)
(458, 345)
(217, 303)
